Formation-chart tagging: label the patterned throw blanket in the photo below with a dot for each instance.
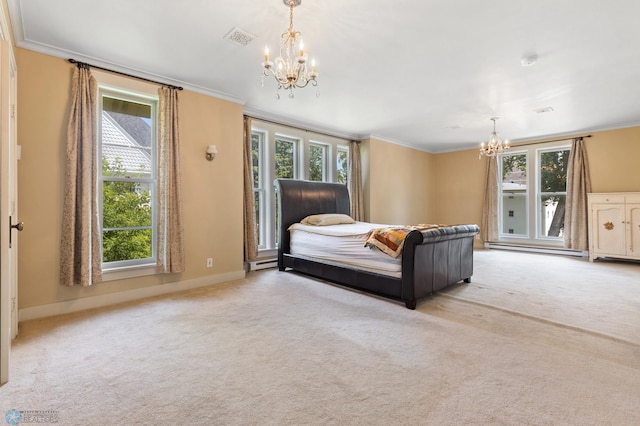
(391, 240)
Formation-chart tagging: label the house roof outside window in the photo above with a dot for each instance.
(123, 137)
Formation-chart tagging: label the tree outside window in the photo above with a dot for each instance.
(553, 191)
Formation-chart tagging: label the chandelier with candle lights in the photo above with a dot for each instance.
(290, 68)
(494, 145)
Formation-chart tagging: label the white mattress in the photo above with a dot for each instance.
(342, 245)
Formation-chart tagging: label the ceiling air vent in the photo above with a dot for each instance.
(543, 110)
(239, 36)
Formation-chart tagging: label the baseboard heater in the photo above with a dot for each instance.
(257, 265)
(532, 249)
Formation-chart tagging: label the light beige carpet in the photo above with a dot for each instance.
(282, 349)
(603, 296)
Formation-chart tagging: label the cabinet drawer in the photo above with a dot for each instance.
(606, 198)
(632, 199)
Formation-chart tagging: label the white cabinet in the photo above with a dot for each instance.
(614, 225)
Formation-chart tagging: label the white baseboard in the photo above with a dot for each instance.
(85, 303)
(535, 249)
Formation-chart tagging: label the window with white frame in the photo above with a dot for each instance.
(533, 192)
(127, 177)
(284, 152)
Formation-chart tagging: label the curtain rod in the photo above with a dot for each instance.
(299, 128)
(73, 61)
(555, 140)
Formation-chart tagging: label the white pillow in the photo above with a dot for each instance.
(327, 219)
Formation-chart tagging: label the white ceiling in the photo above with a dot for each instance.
(422, 73)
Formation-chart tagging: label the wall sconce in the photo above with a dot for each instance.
(212, 150)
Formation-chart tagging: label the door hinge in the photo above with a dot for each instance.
(13, 111)
(13, 304)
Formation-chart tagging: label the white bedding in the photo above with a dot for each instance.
(342, 245)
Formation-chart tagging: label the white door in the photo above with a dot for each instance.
(9, 225)
(609, 229)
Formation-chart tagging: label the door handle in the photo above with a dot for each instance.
(18, 226)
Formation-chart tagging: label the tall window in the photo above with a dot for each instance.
(284, 152)
(533, 196)
(127, 178)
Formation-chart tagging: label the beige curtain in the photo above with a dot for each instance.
(81, 254)
(170, 243)
(354, 180)
(578, 186)
(489, 228)
(250, 227)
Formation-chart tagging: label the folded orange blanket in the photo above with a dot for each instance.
(391, 240)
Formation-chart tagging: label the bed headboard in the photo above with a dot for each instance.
(298, 199)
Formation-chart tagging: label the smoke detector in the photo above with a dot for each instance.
(527, 61)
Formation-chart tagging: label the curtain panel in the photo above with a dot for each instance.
(489, 228)
(170, 241)
(577, 210)
(250, 226)
(354, 181)
(81, 254)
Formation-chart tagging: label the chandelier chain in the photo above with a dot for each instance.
(290, 15)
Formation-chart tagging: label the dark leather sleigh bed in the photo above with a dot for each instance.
(431, 260)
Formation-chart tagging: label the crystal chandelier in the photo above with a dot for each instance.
(494, 145)
(290, 69)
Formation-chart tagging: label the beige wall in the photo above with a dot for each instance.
(212, 191)
(397, 183)
(459, 187)
(614, 160)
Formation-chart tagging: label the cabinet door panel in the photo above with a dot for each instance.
(609, 229)
(633, 217)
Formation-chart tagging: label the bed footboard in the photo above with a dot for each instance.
(437, 258)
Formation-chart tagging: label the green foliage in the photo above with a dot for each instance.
(125, 205)
(255, 157)
(553, 171)
(316, 163)
(342, 166)
(284, 159)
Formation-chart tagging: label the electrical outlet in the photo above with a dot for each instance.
(210, 262)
